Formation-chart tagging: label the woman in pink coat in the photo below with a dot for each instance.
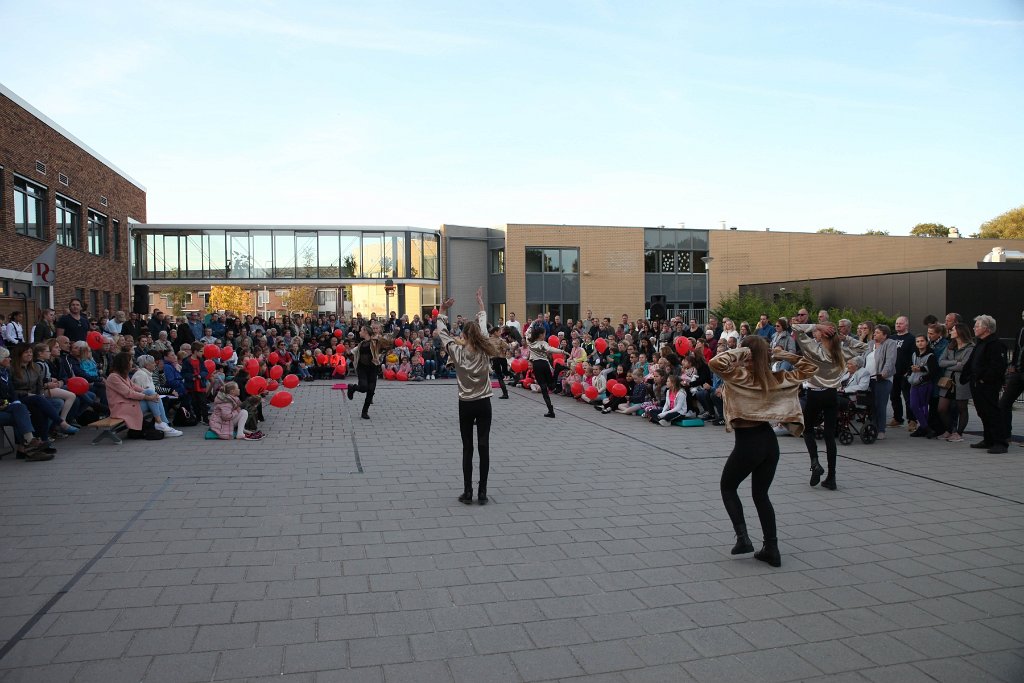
(227, 418)
(123, 395)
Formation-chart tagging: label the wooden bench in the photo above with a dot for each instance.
(110, 426)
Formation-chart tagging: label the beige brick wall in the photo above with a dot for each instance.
(613, 257)
(744, 257)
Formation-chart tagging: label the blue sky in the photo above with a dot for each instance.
(781, 114)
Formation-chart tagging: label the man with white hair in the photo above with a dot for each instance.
(986, 371)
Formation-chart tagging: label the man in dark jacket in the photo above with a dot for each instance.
(986, 372)
(1014, 382)
(900, 386)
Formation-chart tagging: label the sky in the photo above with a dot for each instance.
(762, 114)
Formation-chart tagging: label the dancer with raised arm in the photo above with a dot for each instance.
(539, 352)
(471, 355)
(754, 399)
(366, 359)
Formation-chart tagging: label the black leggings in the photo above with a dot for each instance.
(542, 375)
(475, 412)
(500, 368)
(821, 404)
(756, 453)
(367, 375)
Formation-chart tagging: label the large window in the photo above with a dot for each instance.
(239, 257)
(552, 282)
(329, 256)
(431, 266)
(115, 238)
(305, 254)
(674, 261)
(349, 252)
(29, 208)
(97, 233)
(262, 254)
(284, 254)
(549, 260)
(69, 218)
(497, 261)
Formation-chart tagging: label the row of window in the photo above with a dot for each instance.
(674, 261)
(253, 254)
(110, 302)
(30, 219)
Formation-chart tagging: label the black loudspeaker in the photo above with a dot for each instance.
(657, 307)
(141, 303)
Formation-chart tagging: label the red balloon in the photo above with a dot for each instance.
(519, 365)
(209, 365)
(272, 385)
(601, 345)
(434, 312)
(611, 384)
(276, 372)
(337, 333)
(591, 393)
(580, 369)
(682, 345)
(619, 390)
(252, 366)
(78, 386)
(527, 382)
(389, 374)
(290, 381)
(273, 358)
(211, 351)
(281, 399)
(342, 365)
(402, 376)
(553, 340)
(558, 359)
(322, 359)
(255, 385)
(577, 389)
(95, 340)
(399, 342)
(225, 353)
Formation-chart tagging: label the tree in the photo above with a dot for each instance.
(300, 300)
(930, 230)
(1009, 225)
(230, 298)
(176, 296)
(877, 232)
(831, 231)
(748, 307)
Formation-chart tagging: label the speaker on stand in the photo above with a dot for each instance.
(140, 305)
(658, 309)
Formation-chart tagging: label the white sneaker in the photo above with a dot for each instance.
(781, 431)
(664, 423)
(689, 414)
(880, 437)
(162, 426)
(173, 432)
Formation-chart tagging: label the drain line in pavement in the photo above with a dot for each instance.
(23, 631)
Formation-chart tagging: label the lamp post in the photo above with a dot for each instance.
(389, 288)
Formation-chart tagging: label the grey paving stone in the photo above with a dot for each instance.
(184, 668)
(249, 663)
(375, 651)
(315, 656)
(546, 664)
(484, 668)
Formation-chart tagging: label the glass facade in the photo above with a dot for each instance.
(263, 254)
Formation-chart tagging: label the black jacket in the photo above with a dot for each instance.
(987, 367)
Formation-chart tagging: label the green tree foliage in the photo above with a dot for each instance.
(1009, 225)
(881, 233)
(749, 307)
(831, 231)
(930, 230)
(301, 300)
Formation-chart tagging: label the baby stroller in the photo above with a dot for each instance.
(856, 417)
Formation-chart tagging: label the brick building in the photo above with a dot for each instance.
(53, 188)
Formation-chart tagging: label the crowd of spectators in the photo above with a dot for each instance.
(157, 374)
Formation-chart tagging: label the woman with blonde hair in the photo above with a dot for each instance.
(471, 355)
(755, 398)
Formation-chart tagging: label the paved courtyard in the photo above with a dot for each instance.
(334, 550)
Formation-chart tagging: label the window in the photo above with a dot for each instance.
(497, 261)
(548, 260)
(430, 258)
(97, 233)
(94, 303)
(188, 298)
(80, 294)
(5, 287)
(115, 238)
(151, 299)
(262, 297)
(118, 301)
(107, 300)
(69, 216)
(205, 298)
(651, 261)
(29, 208)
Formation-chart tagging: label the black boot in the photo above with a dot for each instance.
(466, 497)
(365, 416)
(350, 391)
(769, 553)
(816, 471)
(481, 495)
(743, 544)
(830, 482)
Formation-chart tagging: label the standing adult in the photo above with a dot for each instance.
(499, 362)
(14, 331)
(880, 361)
(900, 392)
(955, 392)
(471, 355)
(1014, 382)
(366, 359)
(45, 328)
(754, 398)
(986, 372)
(822, 404)
(73, 324)
(539, 350)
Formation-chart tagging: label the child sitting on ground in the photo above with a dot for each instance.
(228, 417)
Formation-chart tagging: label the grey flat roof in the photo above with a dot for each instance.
(10, 94)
